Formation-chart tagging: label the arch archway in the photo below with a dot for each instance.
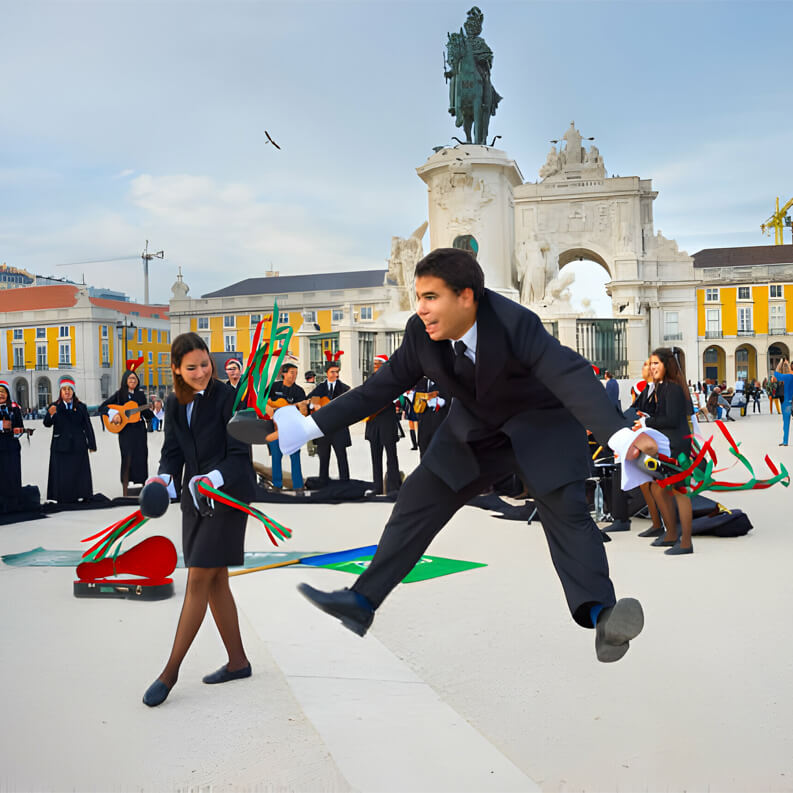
(21, 393)
(581, 254)
(589, 294)
(43, 392)
(714, 364)
(776, 352)
(746, 362)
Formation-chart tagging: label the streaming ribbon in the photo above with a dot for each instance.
(272, 527)
(696, 473)
(118, 532)
(257, 380)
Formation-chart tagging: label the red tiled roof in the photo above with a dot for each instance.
(31, 298)
(127, 308)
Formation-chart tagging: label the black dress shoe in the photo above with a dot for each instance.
(223, 675)
(652, 532)
(156, 694)
(616, 627)
(352, 608)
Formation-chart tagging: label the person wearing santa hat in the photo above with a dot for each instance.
(69, 478)
(11, 427)
(383, 432)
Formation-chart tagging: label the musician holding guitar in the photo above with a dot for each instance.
(286, 392)
(123, 413)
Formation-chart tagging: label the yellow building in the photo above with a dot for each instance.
(352, 311)
(743, 318)
(49, 331)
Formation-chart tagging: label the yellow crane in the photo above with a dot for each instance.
(778, 221)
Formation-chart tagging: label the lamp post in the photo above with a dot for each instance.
(123, 328)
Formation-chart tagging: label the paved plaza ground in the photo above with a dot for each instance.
(478, 681)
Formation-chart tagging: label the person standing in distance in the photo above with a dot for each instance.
(338, 440)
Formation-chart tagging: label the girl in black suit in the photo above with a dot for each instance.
(132, 439)
(197, 443)
(69, 478)
(671, 416)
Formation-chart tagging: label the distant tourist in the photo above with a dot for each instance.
(11, 427)
(784, 379)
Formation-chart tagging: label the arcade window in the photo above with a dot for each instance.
(63, 331)
(744, 293)
(203, 323)
(365, 312)
(712, 295)
(228, 322)
(337, 315)
(775, 290)
(41, 333)
(18, 334)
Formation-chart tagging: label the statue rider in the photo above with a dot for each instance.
(483, 60)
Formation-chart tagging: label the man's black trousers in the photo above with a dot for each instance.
(323, 452)
(392, 466)
(425, 504)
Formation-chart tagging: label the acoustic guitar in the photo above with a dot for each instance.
(129, 413)
(420, 400)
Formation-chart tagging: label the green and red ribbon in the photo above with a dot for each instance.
(118, 532)
(272, 527)
(695, 473)
(258, 378)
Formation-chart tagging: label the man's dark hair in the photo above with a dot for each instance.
(286, 367)
(310, 374)
(332, 365)
(456, 267)
(607, 374)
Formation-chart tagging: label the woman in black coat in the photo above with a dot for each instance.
(69, 477)
(131, 439)
(671, 416)
(197, 447)
(11, 427)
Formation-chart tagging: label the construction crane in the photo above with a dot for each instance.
(145, 257)
(778, 221)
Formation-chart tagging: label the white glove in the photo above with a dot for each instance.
(633, 474)
(215, 477)
(167, 480)
(294, 429)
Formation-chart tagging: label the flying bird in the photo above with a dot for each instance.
(270, 140)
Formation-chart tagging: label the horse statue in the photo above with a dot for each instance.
(472, 98)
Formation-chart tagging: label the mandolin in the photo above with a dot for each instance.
(129, 413)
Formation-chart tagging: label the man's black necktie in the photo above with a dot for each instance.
(464, 369)
(330, 390)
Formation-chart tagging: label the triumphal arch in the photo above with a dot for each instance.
(524, 233)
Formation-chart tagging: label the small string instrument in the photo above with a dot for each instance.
(129, 413)
(420, 399)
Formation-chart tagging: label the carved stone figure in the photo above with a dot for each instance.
(553, 164)
(472, 98)
(405, 254)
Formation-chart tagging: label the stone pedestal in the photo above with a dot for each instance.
(470, 193)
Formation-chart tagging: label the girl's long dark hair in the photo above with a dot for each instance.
(181, 345)
(674, 361)
(124, 377)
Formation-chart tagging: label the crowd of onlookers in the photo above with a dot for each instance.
(715, 400)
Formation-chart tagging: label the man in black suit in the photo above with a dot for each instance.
(339, 439)
(435, 411)
(383, 432)
(520, 402)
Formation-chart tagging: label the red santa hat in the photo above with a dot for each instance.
(381, 358)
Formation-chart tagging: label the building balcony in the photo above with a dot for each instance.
(19, 367)
(64, 365)
(713, 334)
(777, 331)
(746, 332)
(42, 367)
(105, 364)
(673, 337)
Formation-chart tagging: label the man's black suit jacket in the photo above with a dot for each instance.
(205, 445)
(340, 434)
(528, 386)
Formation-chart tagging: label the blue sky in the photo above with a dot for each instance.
(126, 121)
